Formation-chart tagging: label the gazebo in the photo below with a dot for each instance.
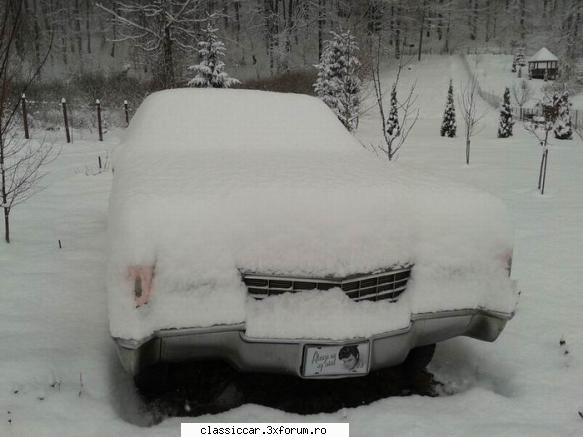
(543, 65)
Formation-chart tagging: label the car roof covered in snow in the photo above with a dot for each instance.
(225, 119)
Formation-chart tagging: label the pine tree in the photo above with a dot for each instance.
(209, 72)
(393, 128)
(448, 125)
(338, 84)
(562, 127)
(506, 120)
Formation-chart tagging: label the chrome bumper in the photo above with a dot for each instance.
(230, 343)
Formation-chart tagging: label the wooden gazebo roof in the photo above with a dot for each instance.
(543, 55)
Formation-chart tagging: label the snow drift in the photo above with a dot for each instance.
(212, 183)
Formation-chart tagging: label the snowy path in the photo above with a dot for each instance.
(53, 325)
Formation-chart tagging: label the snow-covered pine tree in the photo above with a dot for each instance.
(506, 119)
(393, 127)
(209, 72)
(338, 84)
(562, 128)
(448, 125)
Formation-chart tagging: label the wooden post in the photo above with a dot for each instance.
(99, 127)
(127, 112)
(542, 191)
(99, 162)
(25, 117)
(64, 104)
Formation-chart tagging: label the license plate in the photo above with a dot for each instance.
(336, 360)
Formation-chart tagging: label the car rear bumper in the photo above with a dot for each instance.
(230, 343)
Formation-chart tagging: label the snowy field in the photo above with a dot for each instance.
(60, 375)
(494, 73)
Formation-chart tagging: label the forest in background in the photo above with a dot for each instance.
(269, 37)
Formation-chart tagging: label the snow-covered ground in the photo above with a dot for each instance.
(494, 73)
(60, 376)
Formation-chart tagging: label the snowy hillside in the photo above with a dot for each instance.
(60, 376)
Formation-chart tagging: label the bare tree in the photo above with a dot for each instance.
(521, 93)
(468, 101)
(409, 113)
(157, 27)
(21, 161)
(541, 132)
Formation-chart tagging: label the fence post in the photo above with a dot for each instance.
(99, 127)
(127, 112)
(25, 116)
(64, 104)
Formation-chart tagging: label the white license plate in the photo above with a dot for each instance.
(336, 360)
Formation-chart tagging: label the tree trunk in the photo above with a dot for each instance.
(487, 36)
(421, 25)
(447, 32)
(321, 23)
(237, 6)
(3, 188)
(114, 31)
(168, 61)
(523, 20)
(79, 35)
(36, 32)
(398, 31)
(88, 25)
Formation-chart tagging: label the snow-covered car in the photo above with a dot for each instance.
(251, 227)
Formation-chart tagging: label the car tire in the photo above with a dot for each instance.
(419, 357)
(153, 380)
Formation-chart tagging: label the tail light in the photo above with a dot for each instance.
(142, 277)
(506, 258)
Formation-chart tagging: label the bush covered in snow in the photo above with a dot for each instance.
(393, 128)
(338, 84)
(506, 119)
(210, 71)
(562, 128)
(448, 125)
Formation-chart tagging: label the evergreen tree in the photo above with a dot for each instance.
(338, 84)
(209, 72)
(393, 128)
(562, 127)
(448, 125)
(506, 120)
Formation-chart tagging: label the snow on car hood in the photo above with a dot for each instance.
(212, 183)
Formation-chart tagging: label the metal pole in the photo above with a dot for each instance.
(64, 104)
(545, 172)
(99, 127)
(25, 117)
(540, 172)
(127, 112)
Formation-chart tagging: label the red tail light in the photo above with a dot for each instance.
(142, 276)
